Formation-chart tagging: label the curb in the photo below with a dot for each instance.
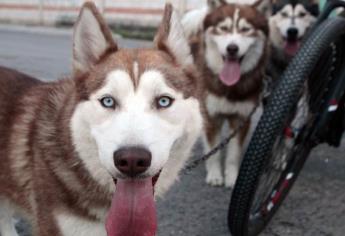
(45, 30)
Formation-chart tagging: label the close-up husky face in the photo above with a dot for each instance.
(235, 40)
(290, 21)
(139, 108)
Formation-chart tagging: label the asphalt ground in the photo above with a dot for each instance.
(315, 207)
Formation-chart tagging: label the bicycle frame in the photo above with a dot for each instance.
(332, 135)
(331, 125)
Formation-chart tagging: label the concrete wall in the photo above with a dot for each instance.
(49, 12)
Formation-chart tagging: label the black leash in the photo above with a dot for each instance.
(192, 165)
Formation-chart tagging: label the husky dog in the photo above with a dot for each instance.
(193, 20)
(289, 23)
(83, 156)
(231, 51)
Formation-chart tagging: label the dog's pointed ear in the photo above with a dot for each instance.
(171, 38)
(314, 7)
(264, 6)
(91, 40)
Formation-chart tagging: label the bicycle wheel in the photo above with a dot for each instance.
(289, 129)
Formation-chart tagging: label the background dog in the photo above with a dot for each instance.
(231, 51)
(289, 23)
(128, 117)
(193, 20)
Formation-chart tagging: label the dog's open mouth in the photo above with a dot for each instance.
(291, 46)
(133, 210)
(231, 72)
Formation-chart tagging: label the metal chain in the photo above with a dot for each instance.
(192, 165)
(267, 83)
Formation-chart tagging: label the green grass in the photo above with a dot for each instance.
(145, 33)
(134, 32)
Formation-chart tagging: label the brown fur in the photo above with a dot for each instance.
(253, 16)
(37, 156)
(38, 162)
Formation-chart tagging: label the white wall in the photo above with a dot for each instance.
(137, 12)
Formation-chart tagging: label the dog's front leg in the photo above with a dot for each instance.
(213, 165)
(234, 151)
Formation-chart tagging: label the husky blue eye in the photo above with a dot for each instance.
(108, 102)
(164, 102)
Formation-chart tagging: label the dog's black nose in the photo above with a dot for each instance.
(292, 33)
(232, 49)
(132, 161)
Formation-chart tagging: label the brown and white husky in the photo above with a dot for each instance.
(231, 51)
(83, 156)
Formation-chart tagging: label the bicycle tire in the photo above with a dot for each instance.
(282, 101)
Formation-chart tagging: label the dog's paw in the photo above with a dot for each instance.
(230, 177)
(214, 177)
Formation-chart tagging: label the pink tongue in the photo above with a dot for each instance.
(231, 72)
(133, 211)
(291, 48)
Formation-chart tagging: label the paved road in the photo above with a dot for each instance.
(316, 206)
